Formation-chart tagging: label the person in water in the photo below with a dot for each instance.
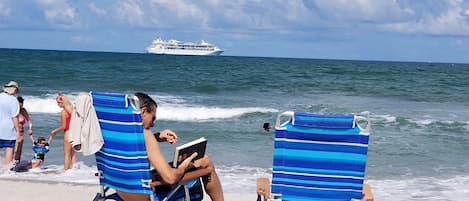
(40, 148)
(65, 117)
(9, 110)
(23, 117)
(266, 127)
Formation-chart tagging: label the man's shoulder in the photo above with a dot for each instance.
(8, 99)
(8, 96)
(4, 96)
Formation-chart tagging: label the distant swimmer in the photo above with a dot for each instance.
(266, 127)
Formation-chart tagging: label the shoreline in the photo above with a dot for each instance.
(15, 190)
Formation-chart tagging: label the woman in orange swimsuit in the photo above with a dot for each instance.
(65, 116)
(23, 117)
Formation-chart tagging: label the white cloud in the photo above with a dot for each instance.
(254, 15)
(249, 17)
(242, 15)
(180, 12)
(59, 14)
(98, 11)
(449, 17)
(181, 9)
(295, 10)
(161, 13)
(359, 10)
(4, 9)
(212, 14)
(131, 12)
(453, 21)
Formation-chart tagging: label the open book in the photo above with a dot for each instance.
(186, 150)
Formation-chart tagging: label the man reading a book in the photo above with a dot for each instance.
(169, 174)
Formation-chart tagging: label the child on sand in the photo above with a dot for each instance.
(40, 148)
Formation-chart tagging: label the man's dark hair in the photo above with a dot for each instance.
(146, 101)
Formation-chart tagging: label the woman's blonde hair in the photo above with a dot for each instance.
(68, 106)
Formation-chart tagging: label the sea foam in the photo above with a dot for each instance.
(171, 108)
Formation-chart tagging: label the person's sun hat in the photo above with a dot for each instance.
(10, 87)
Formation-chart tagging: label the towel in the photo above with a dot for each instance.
(85, 132)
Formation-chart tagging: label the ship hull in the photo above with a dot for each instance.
(185, 52)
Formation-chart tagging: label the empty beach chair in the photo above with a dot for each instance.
(318, 158)
(122, 162)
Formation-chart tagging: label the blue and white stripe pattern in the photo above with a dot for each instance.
(122, 161)
(319, 157)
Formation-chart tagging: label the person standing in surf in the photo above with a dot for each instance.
(70, 158)
(9, 110)
(23, 117)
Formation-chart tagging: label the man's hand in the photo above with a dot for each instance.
(167, 136)
(187, 163)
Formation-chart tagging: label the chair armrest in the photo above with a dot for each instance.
(367, 194)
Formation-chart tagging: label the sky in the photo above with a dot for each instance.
(390, 30)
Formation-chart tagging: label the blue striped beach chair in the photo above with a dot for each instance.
(318, 158)
(122, 162)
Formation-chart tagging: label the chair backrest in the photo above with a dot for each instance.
(122, 161)
(319, 157)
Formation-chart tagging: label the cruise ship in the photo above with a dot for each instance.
(175, 47)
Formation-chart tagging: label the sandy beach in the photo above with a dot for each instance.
(47, 191)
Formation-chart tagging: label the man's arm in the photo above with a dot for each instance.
(169, 174)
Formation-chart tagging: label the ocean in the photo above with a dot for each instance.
(418, 148)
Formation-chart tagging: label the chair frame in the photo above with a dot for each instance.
(263, 189)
